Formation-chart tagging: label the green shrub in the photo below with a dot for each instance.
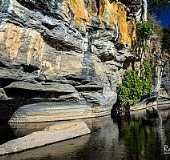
(133, 87)
(146, 70)
(144, 30)
(147, 88)
(147, 78)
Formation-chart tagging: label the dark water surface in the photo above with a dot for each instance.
(123, 140)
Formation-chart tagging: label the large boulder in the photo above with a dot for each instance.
(56, 111)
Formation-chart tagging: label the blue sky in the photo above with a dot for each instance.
(162, 15)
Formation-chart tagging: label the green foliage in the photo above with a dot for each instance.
(147, 77)
(147, 70)
(133, 87)
(147, 88)
(144, 30)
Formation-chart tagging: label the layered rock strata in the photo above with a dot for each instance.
(70, 51)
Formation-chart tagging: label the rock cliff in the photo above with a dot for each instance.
(64, 55)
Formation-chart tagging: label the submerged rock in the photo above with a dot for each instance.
(49, 135)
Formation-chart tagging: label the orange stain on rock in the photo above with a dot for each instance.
(79, 11)
(115, 13)
(12, 39)
(109, 13)
(35, 48)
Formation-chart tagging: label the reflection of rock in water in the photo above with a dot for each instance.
(127, 140)
(165, 115)
(164, 127)
(167, 132)
(6, 133)
(51, 151)
(140, 140)
(22, 129)
(52, 134)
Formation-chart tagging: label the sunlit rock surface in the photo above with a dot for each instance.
(81, 43)
(45, 111)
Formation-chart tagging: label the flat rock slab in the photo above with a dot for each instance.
(46, 87)
(50, 135)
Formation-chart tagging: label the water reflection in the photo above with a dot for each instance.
(121, 140)
(141, 142)
(6, 133)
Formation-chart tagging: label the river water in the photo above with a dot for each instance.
(120, 140)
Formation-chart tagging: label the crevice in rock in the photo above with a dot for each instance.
(98, 6)
(88, 70)
(29, 68)
(5, 82)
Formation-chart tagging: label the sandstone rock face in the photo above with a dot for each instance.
(49, 135)
(75, 47)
